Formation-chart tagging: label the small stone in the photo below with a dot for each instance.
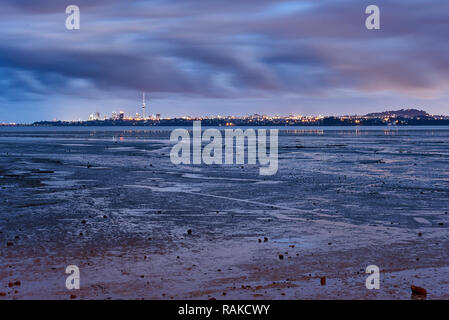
(418, 291)
(72, 296)
(323, 281)
(83, 222)
(281, 257)
(9, 243)
(189, 231)
(265, 239)
(10, 284)
(2, 294)
(17, 283)
(419, 234)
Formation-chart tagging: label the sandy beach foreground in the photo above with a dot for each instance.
(138, 227)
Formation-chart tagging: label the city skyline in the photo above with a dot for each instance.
(221, 58)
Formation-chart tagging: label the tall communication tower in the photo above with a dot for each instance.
(143, 105)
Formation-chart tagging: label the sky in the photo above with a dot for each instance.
(221, 57)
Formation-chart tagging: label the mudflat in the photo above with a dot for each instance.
(110, 201)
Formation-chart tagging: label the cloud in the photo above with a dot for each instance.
(225, 50)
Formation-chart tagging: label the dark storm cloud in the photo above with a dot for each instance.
(226, 49)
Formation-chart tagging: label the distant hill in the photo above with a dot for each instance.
(403, 113)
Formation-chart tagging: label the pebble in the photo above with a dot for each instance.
(323, 281)
(418, 291)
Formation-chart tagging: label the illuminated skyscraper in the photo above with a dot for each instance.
(143, 105)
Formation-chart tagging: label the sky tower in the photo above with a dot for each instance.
(143, 105)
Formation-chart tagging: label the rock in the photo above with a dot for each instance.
(72, 296)
(17, 283)
(83, 222)
(419, 234)
(265, 239)
(323, 281)
(10, 284)
(9, 243)
(418, 291)
(189, 231)
(2, 294)
(281, 257)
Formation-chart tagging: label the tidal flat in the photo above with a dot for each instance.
(110, 201)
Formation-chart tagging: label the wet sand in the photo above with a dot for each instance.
(342, 199)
